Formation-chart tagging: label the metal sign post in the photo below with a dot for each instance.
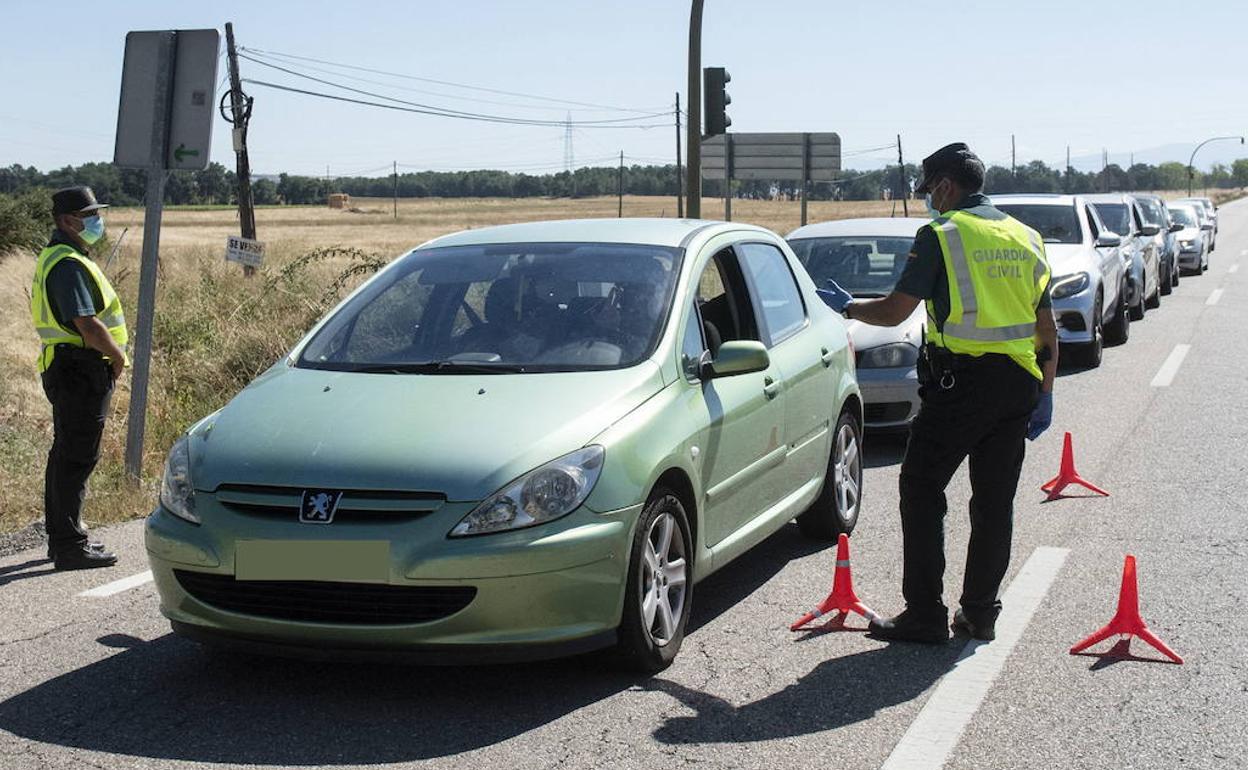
(167, 85)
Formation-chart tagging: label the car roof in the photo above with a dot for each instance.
(652, 231)
(900, 227)
(1036, 199)
(1181, 205)
(1107, 197)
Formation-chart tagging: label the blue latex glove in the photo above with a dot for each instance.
(835, 297)
(1041, 417)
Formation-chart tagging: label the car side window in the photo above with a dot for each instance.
(775, 288)
(724, 302)
(1092, 223)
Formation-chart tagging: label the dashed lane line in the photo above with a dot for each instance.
(117, 586)
(1214, 297)
(936, 732)
(1165, 375)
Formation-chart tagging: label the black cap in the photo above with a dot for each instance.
(71, 200)
(955, 160)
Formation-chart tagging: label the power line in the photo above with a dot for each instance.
(450, 83)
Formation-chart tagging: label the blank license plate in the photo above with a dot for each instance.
(355, 561)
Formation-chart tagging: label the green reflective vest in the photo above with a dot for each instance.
(51, 333)
(997, 273)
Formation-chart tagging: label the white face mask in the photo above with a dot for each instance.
(931, 210)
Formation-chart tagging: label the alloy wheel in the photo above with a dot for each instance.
(664, 579)
(847, 472)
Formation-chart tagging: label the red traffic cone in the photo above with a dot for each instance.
(1067, 475)
(842, 600)
(1127, 620)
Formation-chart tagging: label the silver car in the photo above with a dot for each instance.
(1153, 208)
(1121, 214)
(1193, 254)
(866, 256)
(1211, 213)
(1089, 284)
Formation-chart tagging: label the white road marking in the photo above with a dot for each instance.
(1233, 269)
(1165, 375)
(1214, 297)
(117, 586)
(936, 732)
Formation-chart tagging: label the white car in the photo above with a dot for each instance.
(1193, 242)
(1090, 283)
(866, 256)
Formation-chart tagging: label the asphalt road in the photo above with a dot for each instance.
(98, 681)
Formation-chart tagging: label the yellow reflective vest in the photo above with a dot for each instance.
(997, 273)
(51, 333)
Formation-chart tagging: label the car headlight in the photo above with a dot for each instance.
(176, 493)
(1188, 243)
(888, 356)
(1069, 285)
(541, 495)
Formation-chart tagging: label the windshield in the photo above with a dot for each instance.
(1183, 215)
(1115, 216)
(862, 265)
(1056, 224)
(1152, 212)
(524, 307)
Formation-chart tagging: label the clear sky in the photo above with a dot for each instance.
(1126, 76)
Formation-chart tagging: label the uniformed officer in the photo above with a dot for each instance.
(82, 332)
(986, 381)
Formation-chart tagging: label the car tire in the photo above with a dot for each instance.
(1178, 272)
(1141, 307)
(1090, 354)
(836, 509)
(1154, 300)
(650, 645)
(1167, 285)
(1119, 329)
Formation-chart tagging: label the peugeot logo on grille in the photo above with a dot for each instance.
(318, 506)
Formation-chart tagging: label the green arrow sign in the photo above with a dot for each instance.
(182, 152)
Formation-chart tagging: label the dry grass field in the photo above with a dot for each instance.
(215, 330)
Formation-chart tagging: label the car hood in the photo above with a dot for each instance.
(1189, 233)
(1067, 258)
(463, 436)
(865, 336)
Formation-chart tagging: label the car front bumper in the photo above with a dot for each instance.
(1075, 317)
(890, 396)
(541, 592)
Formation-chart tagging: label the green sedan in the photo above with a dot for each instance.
(517, 442)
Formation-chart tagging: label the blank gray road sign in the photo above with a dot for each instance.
(192, 101)
(774, 157)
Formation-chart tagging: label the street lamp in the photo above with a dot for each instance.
(1191, 172)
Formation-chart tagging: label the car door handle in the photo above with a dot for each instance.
(771, 388)
(827, 357)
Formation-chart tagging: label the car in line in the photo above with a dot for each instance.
(1089, 283)
(1153, 211)
(1193, 251)
(517, 442)
(866, 257)
(1121, 215)
(1211, 213)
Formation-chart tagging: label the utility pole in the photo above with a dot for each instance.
(240, 116)
(904, 187)
(693, 160)
(620, 184)
(728, 177)
(396, 189)
(1068, 168)
(1013, 162)
(680, 193)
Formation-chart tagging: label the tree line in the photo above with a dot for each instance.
(216, 185)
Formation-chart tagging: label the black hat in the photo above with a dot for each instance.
(955, 160)
(71, 200)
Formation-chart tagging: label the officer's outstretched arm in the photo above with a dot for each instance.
(886, 311)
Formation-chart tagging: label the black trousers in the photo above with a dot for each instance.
(79, 384)
(983, 417)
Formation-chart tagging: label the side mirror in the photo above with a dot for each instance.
(1108, 240)
(1176, 227)
(1207, 226)
(1150, 230)
(737, 357)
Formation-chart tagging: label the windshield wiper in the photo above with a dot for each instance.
(440, 367)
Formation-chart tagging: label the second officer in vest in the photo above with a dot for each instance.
(82, 332)
(986, 382)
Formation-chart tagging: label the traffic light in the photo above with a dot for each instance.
(715, 99)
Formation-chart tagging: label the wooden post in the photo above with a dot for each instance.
(727, 177)
(240, 114)
(680, 192)
(901, 176)
(693, 169)
(805, 173)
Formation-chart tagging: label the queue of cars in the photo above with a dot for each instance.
(1113, 256)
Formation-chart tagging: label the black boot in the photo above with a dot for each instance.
(983, 629)
(908, 627)
(83, 558)
(91, 545)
